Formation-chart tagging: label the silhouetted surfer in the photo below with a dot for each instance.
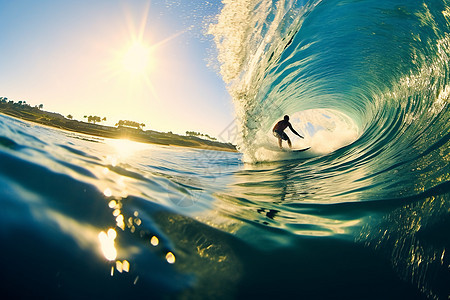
(278, 131)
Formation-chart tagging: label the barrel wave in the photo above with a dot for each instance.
(367, 84)
(383, 64)
(363, 214)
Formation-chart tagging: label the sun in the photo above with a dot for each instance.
(137, 59)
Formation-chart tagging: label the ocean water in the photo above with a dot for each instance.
(363, 214)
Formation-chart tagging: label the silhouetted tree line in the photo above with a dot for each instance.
(127, 123)
(198, 134)
(94, 119)
(5, 100)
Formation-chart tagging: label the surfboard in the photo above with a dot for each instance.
(294, 150)
(300, 150)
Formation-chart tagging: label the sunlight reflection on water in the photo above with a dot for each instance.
(107, 243)
(125, 148)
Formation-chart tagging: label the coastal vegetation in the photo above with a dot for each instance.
(131, 124)
(94, 119)
(125, 129)
(198, 134)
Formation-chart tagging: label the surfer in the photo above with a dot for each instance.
(278, 131)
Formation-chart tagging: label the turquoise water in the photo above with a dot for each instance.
(363, 214)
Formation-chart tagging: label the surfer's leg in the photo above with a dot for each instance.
(278, 136)
(289, 143)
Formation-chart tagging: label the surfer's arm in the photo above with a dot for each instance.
(295, 132)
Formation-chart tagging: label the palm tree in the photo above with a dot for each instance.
(93, 119)
(70, 117)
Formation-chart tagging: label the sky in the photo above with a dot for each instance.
(140, 60)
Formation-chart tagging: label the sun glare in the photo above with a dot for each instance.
(126, 148)
(137, 59)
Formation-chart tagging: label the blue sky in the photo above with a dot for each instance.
(69, 56)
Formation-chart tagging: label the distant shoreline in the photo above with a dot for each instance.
(58, 121)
